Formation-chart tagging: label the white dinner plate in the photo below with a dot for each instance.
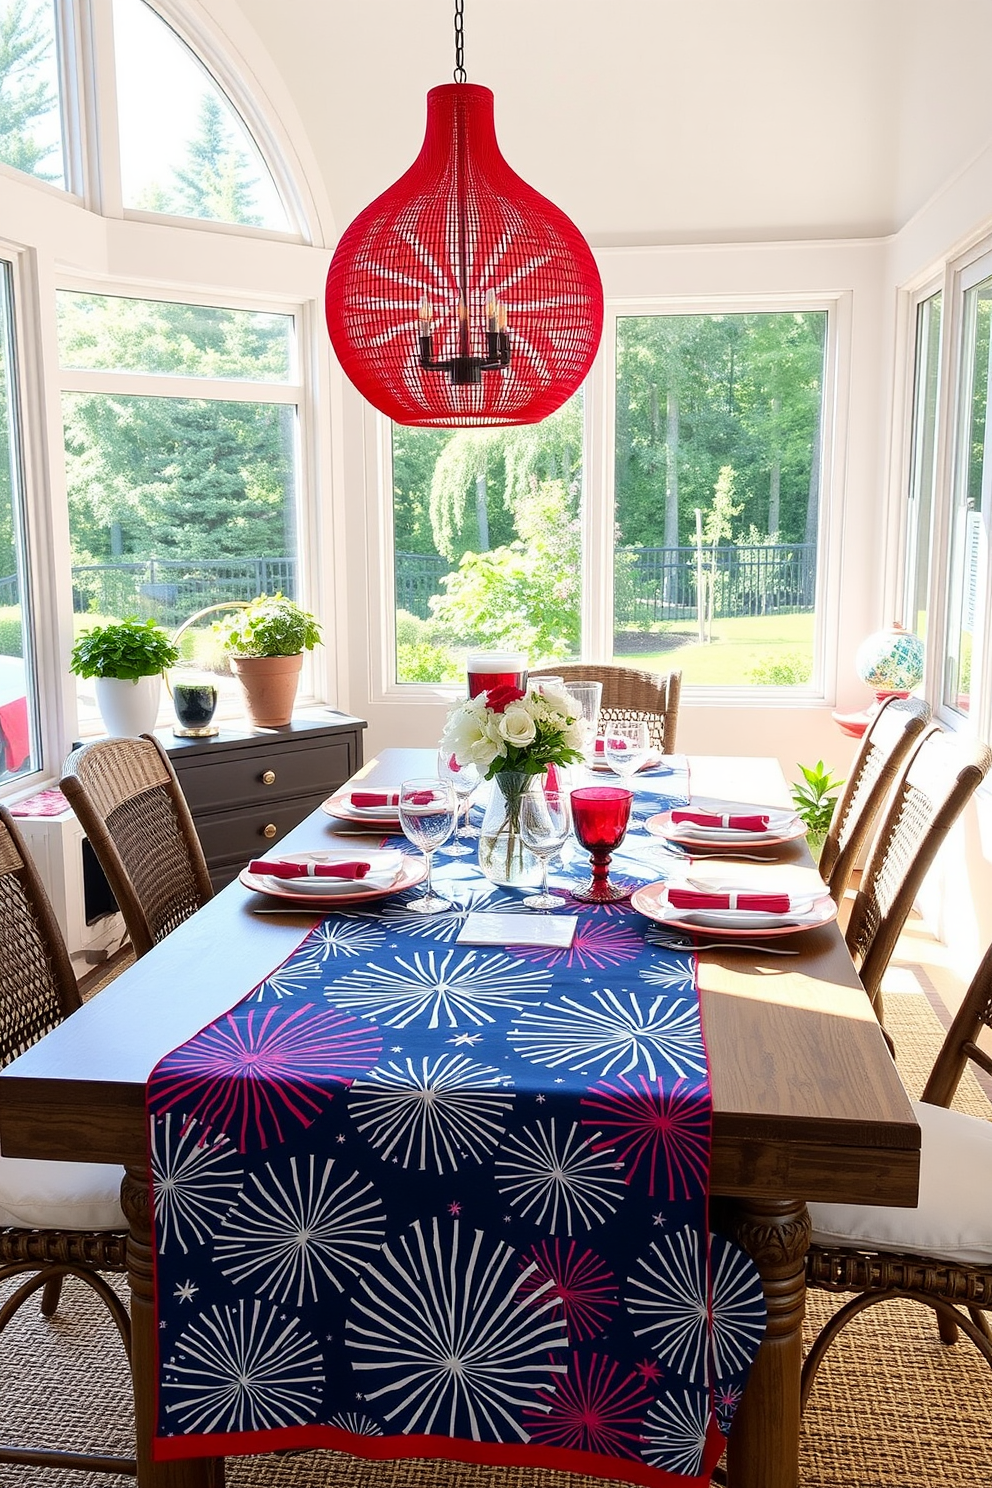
(652, 900)
(339, 806)
(653, 762)
(783, 826)
(391, 878)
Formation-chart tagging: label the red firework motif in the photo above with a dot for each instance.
(646, 1125)
(255, 1066)
(579, 1280)
(593, 944)
(595, 1409)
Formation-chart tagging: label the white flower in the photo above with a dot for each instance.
(577, 733)
(468, 735)
(556, 696)
(517, 726)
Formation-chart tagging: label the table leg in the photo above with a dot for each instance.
(204, 1472)
(763, 1451)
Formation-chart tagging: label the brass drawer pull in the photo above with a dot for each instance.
(270, 830)
(269, 777)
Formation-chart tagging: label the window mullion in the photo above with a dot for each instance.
(143, 384)
(97, 107)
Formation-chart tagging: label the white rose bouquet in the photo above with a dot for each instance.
(506, 730)
(513, 737)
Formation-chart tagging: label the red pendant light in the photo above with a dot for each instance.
(462, 296)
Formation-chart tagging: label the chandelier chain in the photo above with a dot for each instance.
(460, 74)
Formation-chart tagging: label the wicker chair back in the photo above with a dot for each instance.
(631, 696)
(884, 747)
(37, 984)
(132, 809)
(941, 774)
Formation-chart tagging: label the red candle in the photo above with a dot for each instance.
(496, 669)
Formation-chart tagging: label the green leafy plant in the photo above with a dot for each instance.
(126, 649)
(814, 797)
(274, 626)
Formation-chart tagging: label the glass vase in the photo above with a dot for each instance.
(503, 857)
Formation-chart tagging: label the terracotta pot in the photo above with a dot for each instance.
(269, 685)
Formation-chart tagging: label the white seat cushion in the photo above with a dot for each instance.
(60, 1195)
(954, 1219)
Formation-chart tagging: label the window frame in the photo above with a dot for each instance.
(598, 507)
(296, 393)
(958, 274)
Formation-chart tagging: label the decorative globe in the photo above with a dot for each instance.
(890, 660)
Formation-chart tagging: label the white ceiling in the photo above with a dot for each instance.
(657, 121)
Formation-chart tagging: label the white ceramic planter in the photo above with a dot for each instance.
(129, 708)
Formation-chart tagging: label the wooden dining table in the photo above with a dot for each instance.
(807, 1102)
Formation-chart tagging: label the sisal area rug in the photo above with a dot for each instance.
(892, 1407)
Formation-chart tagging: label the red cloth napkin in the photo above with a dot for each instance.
(697, 899)
(275, 868)
(714, 819)
(389, 798)
(600, 745)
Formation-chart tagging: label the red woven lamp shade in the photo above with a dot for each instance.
(462, 264)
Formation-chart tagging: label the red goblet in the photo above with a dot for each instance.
(599, 815)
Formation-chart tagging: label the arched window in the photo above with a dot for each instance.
(184, 149)
(180, 471)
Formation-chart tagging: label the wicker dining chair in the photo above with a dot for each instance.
(132, 809)
(942, 772)
(939, 1253)
(884, 747)
(631, 696)
(57, 1219)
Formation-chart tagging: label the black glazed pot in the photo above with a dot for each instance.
(195, 704)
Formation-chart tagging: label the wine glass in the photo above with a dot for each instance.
(427, 816)
(600, 814)
(545, 822)
(463, 780)
(626, 746)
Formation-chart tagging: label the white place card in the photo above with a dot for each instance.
(553, 930)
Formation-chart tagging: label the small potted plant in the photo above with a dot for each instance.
(265, 642)
(814, 798)
(127, 658)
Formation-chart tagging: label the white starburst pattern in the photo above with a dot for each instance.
(617, 1032)
(433, 1111)
(294, 1229)
(357, 1422)
(345, 935)
(195, 1182)
(243, 1368)
(459, 985)
(675, 1432)
(556, 1179)
(445, 925)
(674, 972)
(297, 975)
(738, 1308)
(456, 1342)
(669, 1288)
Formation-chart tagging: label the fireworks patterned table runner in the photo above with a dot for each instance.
(419, 1199)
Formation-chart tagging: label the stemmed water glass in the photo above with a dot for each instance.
(427, 816)
(626, 747)
(545, 822)
(600, 814)
(463, 780)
